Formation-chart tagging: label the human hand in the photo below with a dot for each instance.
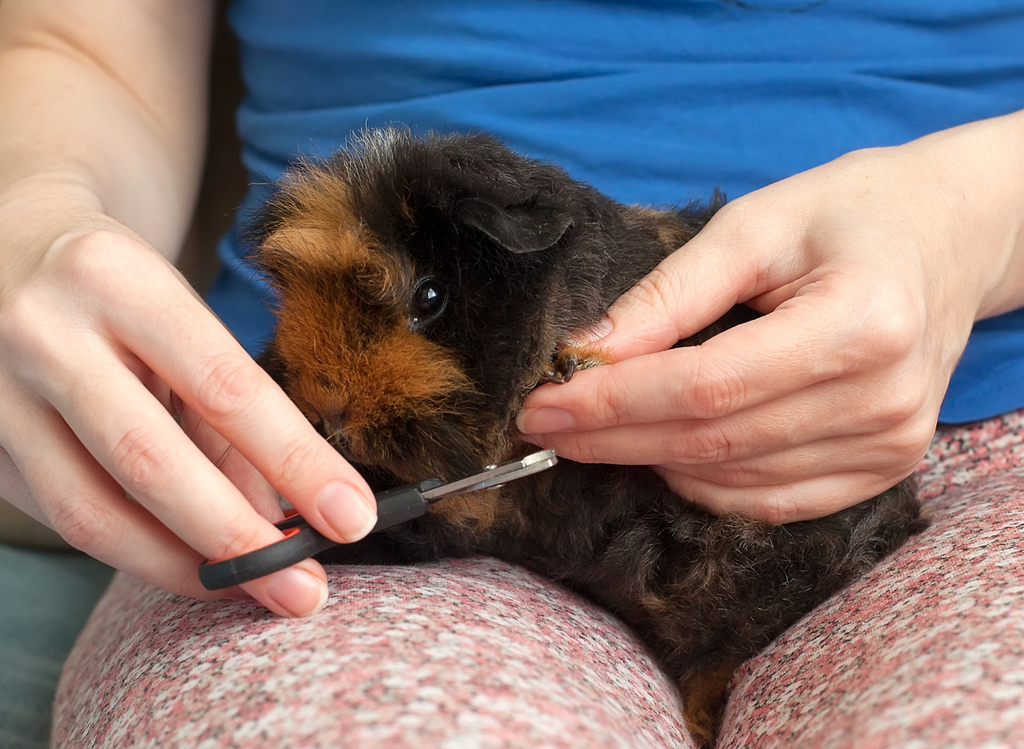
(871, 269)
(103, 349)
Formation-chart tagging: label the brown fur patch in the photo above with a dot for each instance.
(704, 702)
(477, 511)
(317, 225)
(342, 324)
(397, 375)
(669, 233)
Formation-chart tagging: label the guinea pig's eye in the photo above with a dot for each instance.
(429, 299)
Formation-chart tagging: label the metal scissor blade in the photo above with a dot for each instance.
(495, 476)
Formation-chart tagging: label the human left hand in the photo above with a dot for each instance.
(870, 271)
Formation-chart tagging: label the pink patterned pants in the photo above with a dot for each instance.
(926, 651)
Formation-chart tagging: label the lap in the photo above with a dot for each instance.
(470, 653)
(925, 650)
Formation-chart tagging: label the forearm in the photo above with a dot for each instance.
(103, 114)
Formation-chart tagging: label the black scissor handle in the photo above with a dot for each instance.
(302, 541)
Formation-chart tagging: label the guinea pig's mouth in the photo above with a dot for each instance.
(378, 477)
(407, 450)
(337, 440)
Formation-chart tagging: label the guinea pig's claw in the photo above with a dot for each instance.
(561, 368)
(568, 361)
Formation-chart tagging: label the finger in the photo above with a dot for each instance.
(811, 341)
(254, 487)
(92, 512)
(257, 490)
(783, 503)
(138, 443)
(72, 494)
(209, 370)
(678, 443)
(870, 406)
(250, 482)
(141, 446)
(699, 450)
(743, 252)
(886, 454)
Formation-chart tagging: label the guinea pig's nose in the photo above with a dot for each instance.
(336, 419)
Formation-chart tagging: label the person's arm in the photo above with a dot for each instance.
(872, 270)
(103, 346)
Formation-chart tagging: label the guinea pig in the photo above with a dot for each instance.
(424, 287)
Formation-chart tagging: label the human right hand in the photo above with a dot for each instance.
(103, 346)
(104, 349)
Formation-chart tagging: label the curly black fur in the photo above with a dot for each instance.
(527, 256)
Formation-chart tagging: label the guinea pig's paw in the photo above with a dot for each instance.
(570, 360)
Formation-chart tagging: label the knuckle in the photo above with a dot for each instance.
(901, 405)
(88, 258)
(905, 408)
(911, 444)
(298, 464)
(227, 385)
(735, 213)
(711, 394)
(610, 404)
(83, 523)
(736, 475)
(139, 457)
(742, 222)
(888, 333)
(585, 451)
(919, 439)
(774, 508)
(707, 443)
(650, 291)
(654, 292)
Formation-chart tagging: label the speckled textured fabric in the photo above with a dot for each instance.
(927, 650)
(472, 653)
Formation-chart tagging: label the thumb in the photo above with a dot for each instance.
(736, 257)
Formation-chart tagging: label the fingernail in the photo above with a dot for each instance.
(544, 420)
(347, 511)
(297, 591)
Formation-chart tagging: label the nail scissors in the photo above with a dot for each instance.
(394, 506)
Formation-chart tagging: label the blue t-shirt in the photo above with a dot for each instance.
(655, 102)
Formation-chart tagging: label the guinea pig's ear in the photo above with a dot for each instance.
(518, 228)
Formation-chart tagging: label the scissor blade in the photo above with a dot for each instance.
(492, 477)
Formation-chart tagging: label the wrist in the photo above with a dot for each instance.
(981, 168)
